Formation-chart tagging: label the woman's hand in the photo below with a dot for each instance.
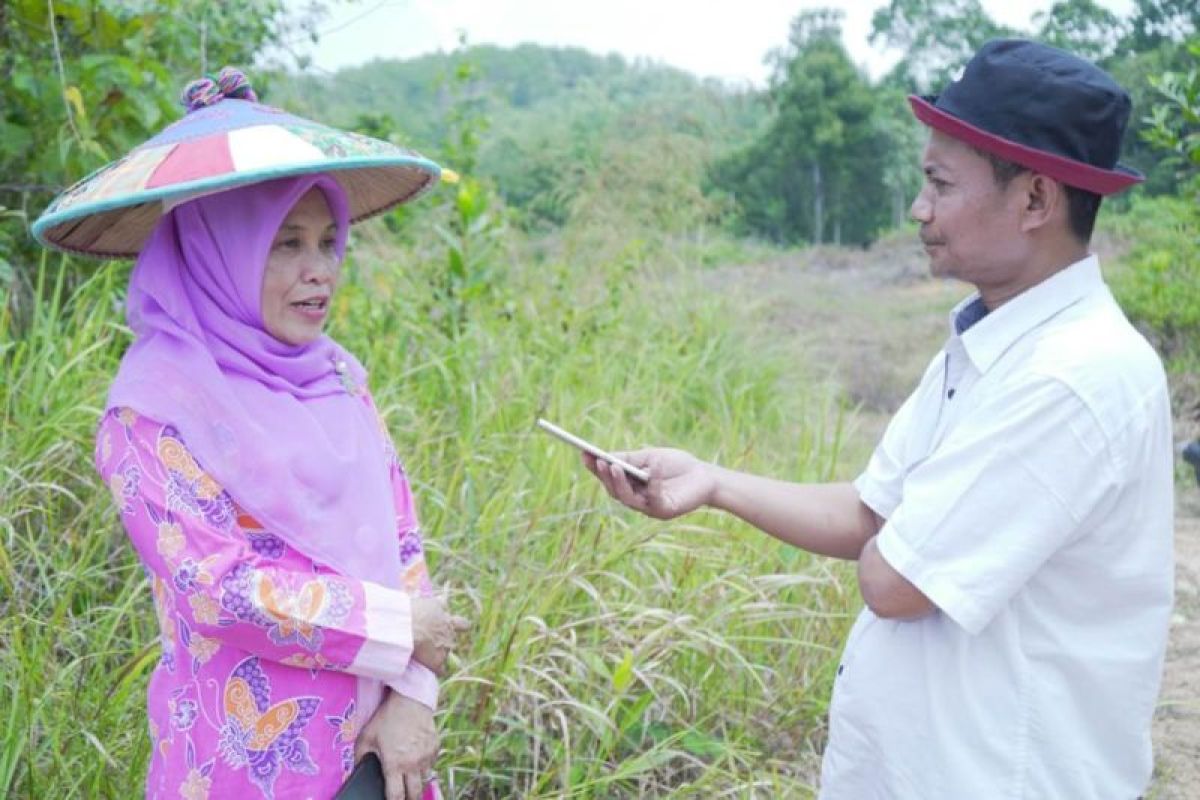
(435, 631)
(679, 482)
(402, 734)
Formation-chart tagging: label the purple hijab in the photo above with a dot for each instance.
(271, 422)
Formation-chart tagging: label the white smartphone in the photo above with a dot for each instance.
(570, 438)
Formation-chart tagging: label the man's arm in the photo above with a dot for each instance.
(828, 519)
(885, 591)
(823, 518)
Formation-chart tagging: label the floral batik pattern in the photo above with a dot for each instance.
(197, 783)
(261, 736)
(255, 691)
(345, 732)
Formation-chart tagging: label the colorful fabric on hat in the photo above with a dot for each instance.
(274, 423)
(231, 137)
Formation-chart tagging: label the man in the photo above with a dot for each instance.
(1013, 528)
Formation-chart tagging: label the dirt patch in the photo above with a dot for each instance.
(1177, 720)
(867, 322)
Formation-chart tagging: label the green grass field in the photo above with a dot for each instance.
(610, 656)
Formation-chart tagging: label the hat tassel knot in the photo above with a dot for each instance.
(229, 82)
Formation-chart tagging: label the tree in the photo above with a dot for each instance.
(1158, 287)
(1081, 27)
(83, 81)
(1156, 22)
(1175, 119)
(1138, 72)
(935, 36)
(903, 137)
(816, 172)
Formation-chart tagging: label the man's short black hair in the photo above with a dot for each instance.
(1082, 205)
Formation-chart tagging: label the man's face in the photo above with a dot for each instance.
(969, 225)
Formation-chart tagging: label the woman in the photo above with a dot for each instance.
(261, 490)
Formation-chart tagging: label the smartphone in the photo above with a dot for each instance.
(366, 783)
(587, 447)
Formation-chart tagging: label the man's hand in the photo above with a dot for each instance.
(435, 631)
(402, 734)
(679, 482)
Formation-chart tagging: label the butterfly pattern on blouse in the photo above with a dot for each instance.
(263, 737)
(290, 614)
(188, 487)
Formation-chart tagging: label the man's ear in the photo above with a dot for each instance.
(1044, 200)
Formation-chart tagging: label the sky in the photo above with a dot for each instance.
(721, 39)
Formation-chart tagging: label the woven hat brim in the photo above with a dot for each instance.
(1069, 171)
(119, 227)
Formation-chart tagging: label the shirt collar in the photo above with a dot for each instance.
(986, 336)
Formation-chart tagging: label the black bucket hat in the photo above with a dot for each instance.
(1039, 107)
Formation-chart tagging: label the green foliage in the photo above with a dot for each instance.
(94, 78)
(1158, 286)
(473, 271)
(632, 149)
(418, 91)
(83, 81)
(936, 37)
(1175, 120)
(1158, 22)
(816, 174)
(1137, 72)
(1080, 26)
(75, 629)
(567, 134)
(471, 235)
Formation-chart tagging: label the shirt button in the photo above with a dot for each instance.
(950, 395)
(841, 668)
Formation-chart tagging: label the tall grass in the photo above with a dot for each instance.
(610, 656)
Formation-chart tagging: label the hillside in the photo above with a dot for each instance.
(549, 125)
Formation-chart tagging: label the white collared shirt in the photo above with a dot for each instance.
(1027, 490)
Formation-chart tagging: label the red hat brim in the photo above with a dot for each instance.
(1069, 171)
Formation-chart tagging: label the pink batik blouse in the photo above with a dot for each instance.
(254, 695)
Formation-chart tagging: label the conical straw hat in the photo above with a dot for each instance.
(226, 139)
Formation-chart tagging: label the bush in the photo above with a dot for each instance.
(1159, 282)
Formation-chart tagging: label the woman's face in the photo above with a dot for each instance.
(302, 272)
